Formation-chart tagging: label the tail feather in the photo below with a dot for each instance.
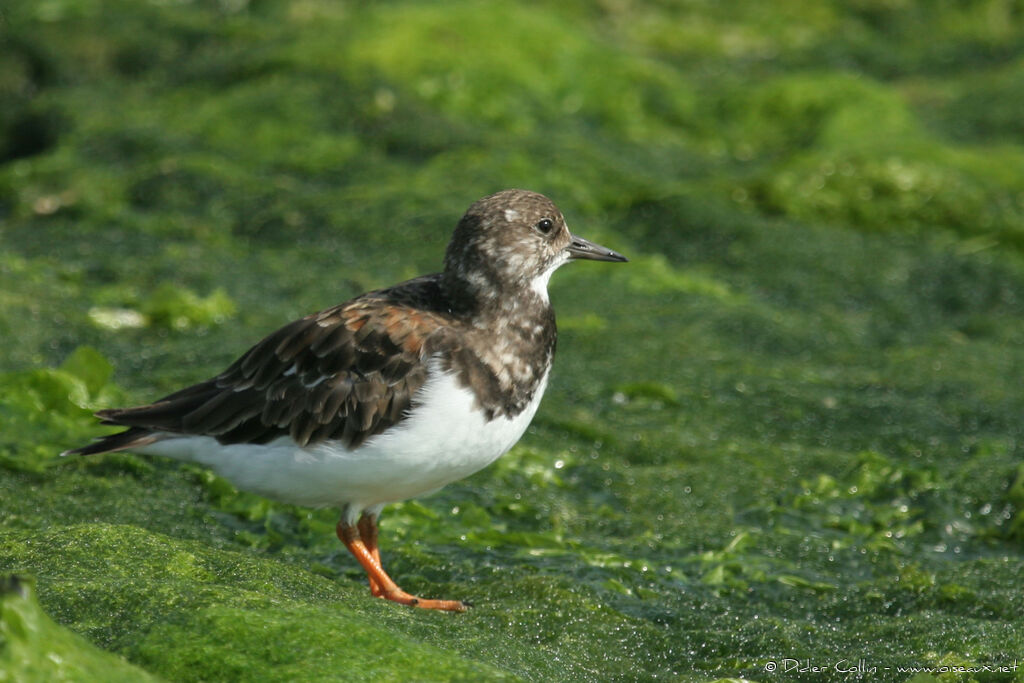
(123, 441)
(145, 423)
(166, 414)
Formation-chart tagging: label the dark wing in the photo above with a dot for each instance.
(346, 373)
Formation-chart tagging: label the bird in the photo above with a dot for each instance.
(390, 395)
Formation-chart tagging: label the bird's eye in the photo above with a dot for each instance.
(545, 226)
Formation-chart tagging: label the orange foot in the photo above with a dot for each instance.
(361, 541)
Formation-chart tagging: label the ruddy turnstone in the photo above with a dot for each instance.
(391, 395)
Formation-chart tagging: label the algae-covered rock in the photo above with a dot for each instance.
(790, 428)
(33, 648)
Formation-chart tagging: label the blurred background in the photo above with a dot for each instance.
(789, 429)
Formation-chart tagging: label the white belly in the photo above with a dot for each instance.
(444, 439)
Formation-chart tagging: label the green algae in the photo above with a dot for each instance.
(34, 648)
(53, 404)
(180, 309)
(789, 428)
(207, 614)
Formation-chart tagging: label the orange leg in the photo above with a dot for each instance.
(381, 584)
(368, 532)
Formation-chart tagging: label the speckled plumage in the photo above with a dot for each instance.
(327, 409)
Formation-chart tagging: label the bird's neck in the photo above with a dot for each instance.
(507, 344)
(479, 297)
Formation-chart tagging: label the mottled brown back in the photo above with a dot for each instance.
(345, 373)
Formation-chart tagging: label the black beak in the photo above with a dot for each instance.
(580, 248)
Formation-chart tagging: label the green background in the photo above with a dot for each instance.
(789, 429)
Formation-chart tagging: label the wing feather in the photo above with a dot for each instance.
(346, 373)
